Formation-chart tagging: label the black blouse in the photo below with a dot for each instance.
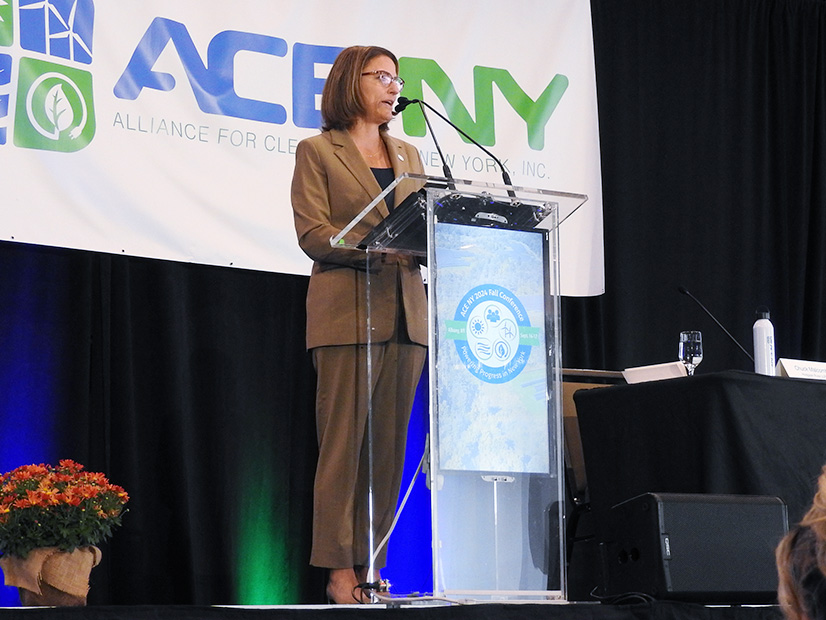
(385, 177)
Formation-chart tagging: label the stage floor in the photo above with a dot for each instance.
(659, 610)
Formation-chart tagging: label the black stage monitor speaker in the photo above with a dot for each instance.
(702, 548)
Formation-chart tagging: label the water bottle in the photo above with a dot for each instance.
(763, 332)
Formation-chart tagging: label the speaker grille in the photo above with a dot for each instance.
(711, 548)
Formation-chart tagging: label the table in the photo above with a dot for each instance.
(730, 432)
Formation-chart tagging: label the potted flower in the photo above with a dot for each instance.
(51, 518)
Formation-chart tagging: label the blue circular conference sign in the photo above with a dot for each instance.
(492, 333)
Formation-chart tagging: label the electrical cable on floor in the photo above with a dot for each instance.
(401, 507)
(379, 590)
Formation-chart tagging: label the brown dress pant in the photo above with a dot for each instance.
(341, 520)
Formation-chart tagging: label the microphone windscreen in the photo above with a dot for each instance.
(401, 104)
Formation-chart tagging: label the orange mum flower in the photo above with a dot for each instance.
(65, 506)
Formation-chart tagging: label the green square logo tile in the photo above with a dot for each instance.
(6, 25)
(55, 107)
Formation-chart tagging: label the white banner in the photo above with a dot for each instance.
(168, 129)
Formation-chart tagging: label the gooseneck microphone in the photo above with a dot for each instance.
(684, 291)
(403, 102)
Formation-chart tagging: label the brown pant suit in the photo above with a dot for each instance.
(331, 185)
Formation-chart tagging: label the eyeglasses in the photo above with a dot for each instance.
(385, 78)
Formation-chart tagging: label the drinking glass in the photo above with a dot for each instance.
(691, 350)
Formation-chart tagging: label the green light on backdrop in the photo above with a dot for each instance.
(264, 576)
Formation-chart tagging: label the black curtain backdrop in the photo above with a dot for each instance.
(189, 385)
(712, 124)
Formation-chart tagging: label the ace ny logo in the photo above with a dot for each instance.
(54, 104)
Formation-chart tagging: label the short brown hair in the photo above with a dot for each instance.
(801, 562)
(341, 100)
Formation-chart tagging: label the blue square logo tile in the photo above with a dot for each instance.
(58, 28)
(5, 69)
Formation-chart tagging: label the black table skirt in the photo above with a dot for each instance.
(729, 433)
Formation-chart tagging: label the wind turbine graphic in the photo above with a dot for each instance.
(3, 3)
(68, 32)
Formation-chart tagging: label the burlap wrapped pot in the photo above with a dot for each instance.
(50, 577)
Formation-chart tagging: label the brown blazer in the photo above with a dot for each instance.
(331, 184)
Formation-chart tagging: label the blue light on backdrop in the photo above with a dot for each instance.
(28, 352)
(409, 556)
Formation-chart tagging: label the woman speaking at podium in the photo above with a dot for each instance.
(337, 173)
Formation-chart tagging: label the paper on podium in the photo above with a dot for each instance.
(656, 372)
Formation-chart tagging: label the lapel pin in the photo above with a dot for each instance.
(399, 155)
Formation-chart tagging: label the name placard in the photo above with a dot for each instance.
(801, 369)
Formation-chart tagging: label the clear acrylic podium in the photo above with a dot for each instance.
(495, 451)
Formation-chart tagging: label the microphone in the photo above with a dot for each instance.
(720, 325)
(403, 102)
